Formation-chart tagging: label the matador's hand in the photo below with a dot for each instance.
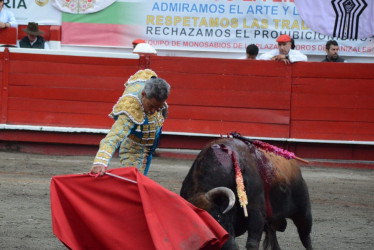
(98, 170)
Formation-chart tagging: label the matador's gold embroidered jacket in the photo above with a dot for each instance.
(134, 132)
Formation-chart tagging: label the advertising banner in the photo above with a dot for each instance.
(188, 25)
(40, 11)
(339, 18)
(116, 25)
(224, 25)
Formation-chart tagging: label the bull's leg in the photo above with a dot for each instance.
(270, 241)
(304, 228)
(230, 244)
(255, 228)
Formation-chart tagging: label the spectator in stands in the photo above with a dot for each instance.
(7, 18)
(33, 40)
(145, 49)
(252, 52)
(332, 49)
(284, 52)
(136, 42)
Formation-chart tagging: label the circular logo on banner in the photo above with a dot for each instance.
(81, 6)
(41, 3)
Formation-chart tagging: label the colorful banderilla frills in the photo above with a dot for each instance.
(240, 189)
(243, 200)
(268, 147)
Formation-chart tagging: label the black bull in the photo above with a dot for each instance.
(274, 186)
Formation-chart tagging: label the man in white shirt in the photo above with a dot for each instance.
(284, 52)
(7, 18)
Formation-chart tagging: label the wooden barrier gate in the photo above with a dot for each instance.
(318, 110)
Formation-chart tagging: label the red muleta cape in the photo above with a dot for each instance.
(111, 213)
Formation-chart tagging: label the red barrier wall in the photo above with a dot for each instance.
(317, 101)
(67, 91)
(218, 96)
(8, 36)
(333, 101)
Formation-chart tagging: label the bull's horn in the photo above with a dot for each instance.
(222, 191)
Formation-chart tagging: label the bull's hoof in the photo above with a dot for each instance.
(251, 245)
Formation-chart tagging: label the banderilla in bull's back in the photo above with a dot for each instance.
(268, 147)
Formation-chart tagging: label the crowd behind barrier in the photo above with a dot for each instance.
(47, 98)
(53, 35)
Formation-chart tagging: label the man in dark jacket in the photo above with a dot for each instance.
(332, 49)
(33, 40)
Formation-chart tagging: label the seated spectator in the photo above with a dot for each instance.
(144, 48)
(332, 49)
(252, 52)
(33, 40)
(7, 18)
(284, 52)
(136, 42)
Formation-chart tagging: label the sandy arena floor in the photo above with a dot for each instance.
(342, 201)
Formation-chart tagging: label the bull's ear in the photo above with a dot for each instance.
(217, 192)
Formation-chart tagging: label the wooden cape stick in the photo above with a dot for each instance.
(120, 177)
